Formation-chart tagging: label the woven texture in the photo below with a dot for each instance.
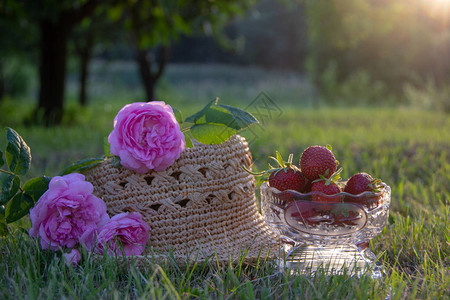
(202, 207)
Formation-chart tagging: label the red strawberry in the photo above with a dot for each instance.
(327, 188)
(360, 183)
(316, 161)
(288, 178)
(308, 186)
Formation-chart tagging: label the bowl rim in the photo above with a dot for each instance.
(385, 189)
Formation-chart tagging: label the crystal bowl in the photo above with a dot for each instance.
(322, 224)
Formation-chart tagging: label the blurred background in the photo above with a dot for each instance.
(68, 66)
(369, 77)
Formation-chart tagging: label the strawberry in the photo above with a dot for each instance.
(285, 176)
(327, 186)
(316, 161)
(360, 183)
(308, 186)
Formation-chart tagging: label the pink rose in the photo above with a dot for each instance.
(67, 213)
(146, 136)
(72, 258)
(125, 231)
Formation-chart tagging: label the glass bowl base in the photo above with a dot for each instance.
(330, 260)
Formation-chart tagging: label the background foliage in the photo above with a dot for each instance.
(395, 44)
(355, 52)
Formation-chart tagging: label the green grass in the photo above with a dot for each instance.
(407, 148)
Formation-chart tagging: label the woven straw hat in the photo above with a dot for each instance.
(202, 207)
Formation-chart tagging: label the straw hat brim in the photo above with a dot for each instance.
(202, 208)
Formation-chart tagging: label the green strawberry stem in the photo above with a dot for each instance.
(375, 185)
(335, 177)
(282, 165)
(260, 173)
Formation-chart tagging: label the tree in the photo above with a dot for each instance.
(275, 33)
(95, 30)
(84, 44)
(394, 41)
(152, 25)
(55, 19)
(17, 40)
(55, 29)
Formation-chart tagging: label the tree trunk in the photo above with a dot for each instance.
(85, 55)
(148, 78)
(52, 71)
(55, 32)
(82, 98)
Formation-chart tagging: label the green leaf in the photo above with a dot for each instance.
(9, 186)
(216, 123)
(229, 116)
(115, 162)
(220, 115)
(200, 116)
(3, 229)
(81, 165)
(178, 115)
(18, 156)
(37, 186)
(106, 147)
(242, 118)
(188, 139)
(280, 159)
(115, 13)
(274, 159)
(2, 212)
(18, 207)
(180, 23)
(290, 159)
(2, 162)
(212, 133)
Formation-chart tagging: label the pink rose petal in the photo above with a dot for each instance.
(66, 211)
(72, 258)
(146, 136)
(125, 232)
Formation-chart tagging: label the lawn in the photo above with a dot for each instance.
(407, 148)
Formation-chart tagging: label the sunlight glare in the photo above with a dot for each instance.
(439, 2)
(438, 10)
